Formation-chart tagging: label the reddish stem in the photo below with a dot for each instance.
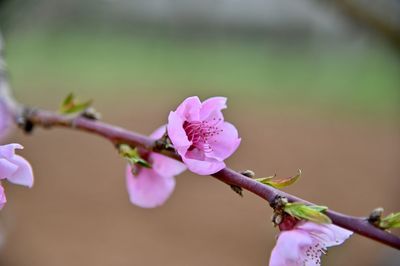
(116, 135)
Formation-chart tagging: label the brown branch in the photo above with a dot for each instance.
(117, 135)
(360, 15)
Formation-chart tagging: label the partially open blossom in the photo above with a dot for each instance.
(201, 136)
(151, 187)
(14, 169)
(303, 242)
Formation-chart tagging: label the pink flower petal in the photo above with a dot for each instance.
(7, 151)
(212, 107)
(24, 174)
(13, 167)
(152, 187)
(159, 132)
(305, 243)
(341, 235)
(204, 167)
(7, 168)
(3, 199)
(148, 189)
(328, 234)
(189, 109)
(196, 154)
(177, 134)
(225, 143)
(289, 248)
(166, 166)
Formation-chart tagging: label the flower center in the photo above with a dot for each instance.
(201, 133)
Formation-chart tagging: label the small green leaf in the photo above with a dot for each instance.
(132, 155)
(279, 183)
(390, 221)
(305, 212)
(140, 161)
(265, 180)
(70, 105)
(318, 208)
(68, 100)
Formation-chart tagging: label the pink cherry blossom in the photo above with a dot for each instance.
(14, 169)
(303, 243)
(151, 187)
(201, 136)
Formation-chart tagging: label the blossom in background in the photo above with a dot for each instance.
(201, 136)
(151, 187)
(14, 169)
(5, 120)
(303, 242)
(3, 199)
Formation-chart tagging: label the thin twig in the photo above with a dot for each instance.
(359, 225)
(116, 135)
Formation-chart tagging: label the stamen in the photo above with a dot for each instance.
(202, 133)
(313, 253)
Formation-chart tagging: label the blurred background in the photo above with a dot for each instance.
(311, 85)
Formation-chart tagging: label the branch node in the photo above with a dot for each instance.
(91, 113)
(375, 216)
(24, 122)
(248, 173)
(164, 144)
(278, 202)
(238, 190)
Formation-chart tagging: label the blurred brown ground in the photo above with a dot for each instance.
(78, 212)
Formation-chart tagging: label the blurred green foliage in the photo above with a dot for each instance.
(341, 76)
